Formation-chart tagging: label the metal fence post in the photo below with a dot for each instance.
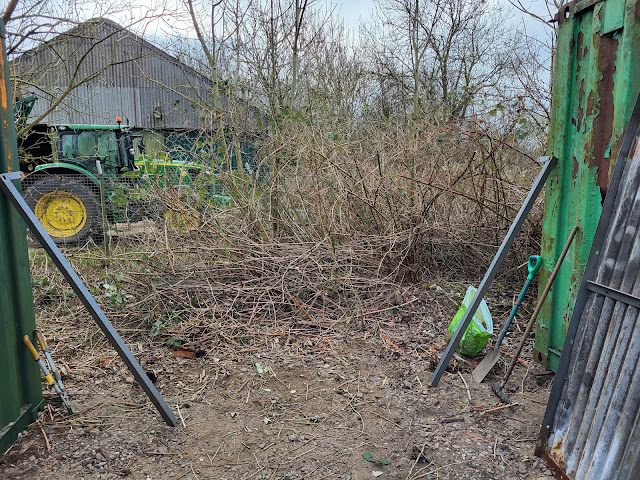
(105, 223)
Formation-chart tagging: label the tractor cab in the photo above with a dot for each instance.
(83, 145)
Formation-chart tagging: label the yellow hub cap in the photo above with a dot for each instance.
(62, 214)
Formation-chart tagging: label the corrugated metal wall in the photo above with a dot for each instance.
(591, 428)
(133, 79)
(596, 81)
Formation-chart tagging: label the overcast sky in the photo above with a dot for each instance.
(354, 11)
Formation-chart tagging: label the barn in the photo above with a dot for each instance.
(99, 70)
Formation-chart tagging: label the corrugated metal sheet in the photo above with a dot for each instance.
(127, 75)
(596, 81)
(20, 391)
(591, 429)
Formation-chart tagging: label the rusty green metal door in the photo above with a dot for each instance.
(20, 388)
(596, 81)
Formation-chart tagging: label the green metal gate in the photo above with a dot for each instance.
(596, 81)
(20, 388)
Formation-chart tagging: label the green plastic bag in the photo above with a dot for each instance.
(479, 330)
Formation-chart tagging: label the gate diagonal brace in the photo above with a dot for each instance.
(86, 298)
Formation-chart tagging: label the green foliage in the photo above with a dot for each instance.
(115, 290)
(169, 317)
(368, 456)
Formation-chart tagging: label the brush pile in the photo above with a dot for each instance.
(332, 238)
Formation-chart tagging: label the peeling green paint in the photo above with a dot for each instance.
(20, 394)
(595, 84)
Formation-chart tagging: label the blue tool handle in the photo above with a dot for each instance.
(535, 262)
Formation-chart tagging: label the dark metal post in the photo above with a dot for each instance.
(105, 223)
(89, 302)
(550, 162)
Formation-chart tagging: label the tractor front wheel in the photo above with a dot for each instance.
(68, 208)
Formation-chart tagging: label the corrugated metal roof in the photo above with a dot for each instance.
(590, 430)
(118, 73)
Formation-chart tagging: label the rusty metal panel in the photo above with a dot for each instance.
(591, 426)
(595, 83)
(127, 76)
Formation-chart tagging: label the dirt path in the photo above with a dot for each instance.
(279, 414)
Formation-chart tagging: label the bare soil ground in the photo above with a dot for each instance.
(293, 407)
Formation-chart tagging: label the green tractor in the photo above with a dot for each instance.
(75, 175)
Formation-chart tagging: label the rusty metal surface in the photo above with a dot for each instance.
(127, 76)
(590, 429)
(596, 81)
(554, 467)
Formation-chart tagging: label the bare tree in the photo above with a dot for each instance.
(443, 54)
(336, 83)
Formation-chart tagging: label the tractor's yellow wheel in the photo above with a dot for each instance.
(62, 214)
(68, 207)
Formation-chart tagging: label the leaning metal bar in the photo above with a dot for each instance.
(550, 162)
(613, 293)
(89, 302)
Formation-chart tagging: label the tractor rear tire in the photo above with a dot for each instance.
(68, 208)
